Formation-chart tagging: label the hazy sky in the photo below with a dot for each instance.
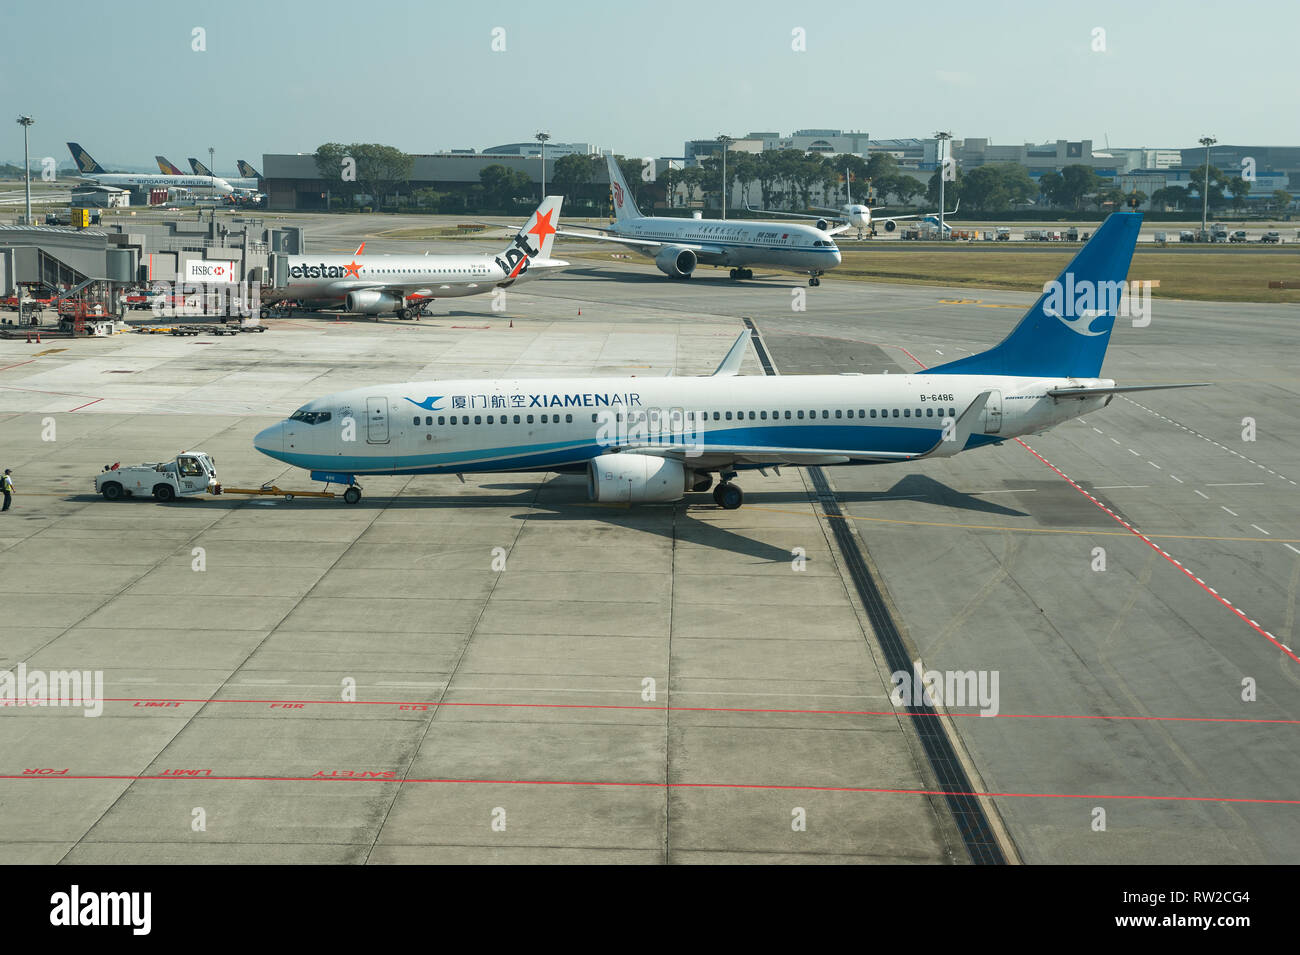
(122, 78)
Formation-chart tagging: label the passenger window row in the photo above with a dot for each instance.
(491, 419)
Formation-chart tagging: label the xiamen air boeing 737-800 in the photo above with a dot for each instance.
(404, 284)
(679, 245)
(655, 439)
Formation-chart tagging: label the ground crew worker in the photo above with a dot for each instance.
(7, 483)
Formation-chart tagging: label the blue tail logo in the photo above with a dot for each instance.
(1065, 333)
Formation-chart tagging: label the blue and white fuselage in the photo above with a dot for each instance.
(654, 439)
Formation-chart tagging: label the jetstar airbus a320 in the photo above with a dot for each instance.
(405, 284)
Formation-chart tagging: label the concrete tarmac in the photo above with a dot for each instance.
(501, 671)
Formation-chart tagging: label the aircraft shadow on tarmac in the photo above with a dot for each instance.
(654, 278)
(563, 498)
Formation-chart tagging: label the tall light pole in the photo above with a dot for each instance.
(542, 138)
(212, 160)
(726, 141)
(943, 169)
(1207, 142)
(26, 123)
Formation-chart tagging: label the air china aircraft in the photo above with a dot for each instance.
(404, 284)
(655, 439)
(679, 245)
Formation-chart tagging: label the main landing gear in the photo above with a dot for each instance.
(742, 274)
(727, 495)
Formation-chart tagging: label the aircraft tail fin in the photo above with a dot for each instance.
(624, 205)
(199, 168)
(83, 159)
(1065, 333)
(735, 356)
(247, 171)
(166, 167)
(534, 240)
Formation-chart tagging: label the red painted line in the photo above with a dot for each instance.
(910, 355)
(722, 709)
(1146, 540)
(1156, 547)
(766, 787)
(37, 391)
(86, 405)
(17, 363)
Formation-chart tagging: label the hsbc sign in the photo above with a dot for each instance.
(209, 272)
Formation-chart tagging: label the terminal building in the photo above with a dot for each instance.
(105, 260)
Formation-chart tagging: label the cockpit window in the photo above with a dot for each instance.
(309, 417)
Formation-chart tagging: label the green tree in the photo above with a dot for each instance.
(952, 189)
(1196, 185)
(903, 187)
(1109, 196)
(1051, 186)
(880, 166)
(501, 186)
(381, 169)
(1281, 199)
(693, 178)
(340, 179)
(1240, 189)
(1078, 181)
(572, 175)
(1169, 197)
(746, 171)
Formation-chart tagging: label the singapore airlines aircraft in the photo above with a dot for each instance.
(404, 284)
(654, 439)
(242, 185)
(679, 245)
(92, 171)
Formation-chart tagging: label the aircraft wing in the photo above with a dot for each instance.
(1084, 391)
(711, 455)
(919, 215)
(831, 214)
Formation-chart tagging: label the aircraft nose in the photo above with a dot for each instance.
(271, 440)
(838, 258)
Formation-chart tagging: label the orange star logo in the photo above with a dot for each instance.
(543, 227)
(351, 269)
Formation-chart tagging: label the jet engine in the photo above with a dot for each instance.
(823, 225)
(371, 302)
(890, 225)
(675, 261)
(629, 477)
